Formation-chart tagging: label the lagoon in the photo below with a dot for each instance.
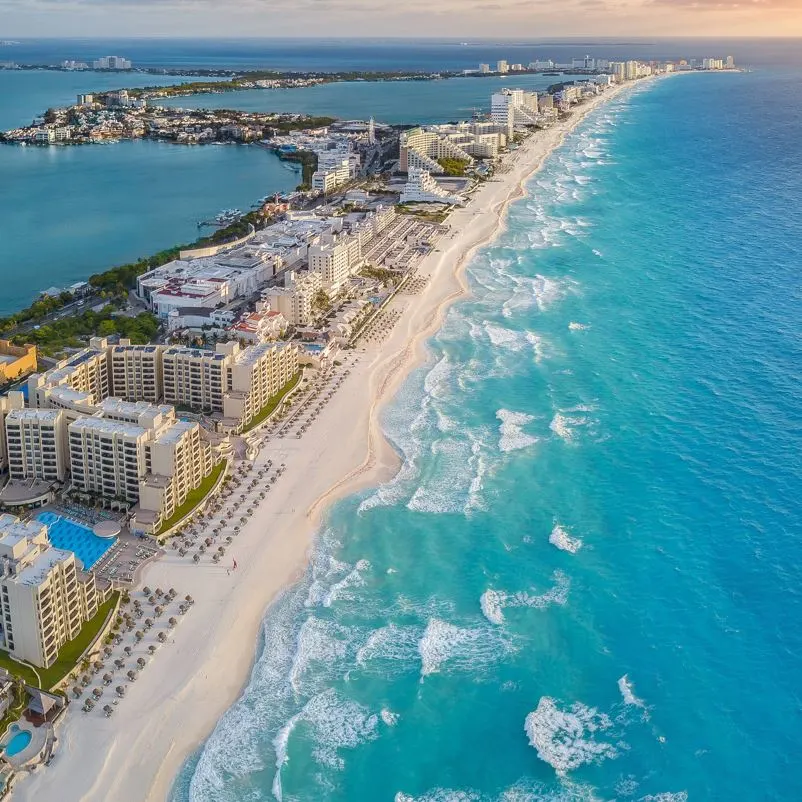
(68, 212)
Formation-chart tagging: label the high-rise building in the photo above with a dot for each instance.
(44, 597)
(502, 66)
(484, 68)
(35, 444)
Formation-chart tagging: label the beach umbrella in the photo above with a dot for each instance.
(108, 710)
(85, 680)
(141, 662)
(159, 592)
(152, 599)
(148, 623)
(97, 692)
(171, 593)
(139, 634)
(132, 676)
(162, 636)
(172, 622)
(196, 558)
(88, 705)
(146, 590)
(120, 690)
(98, 666)
(208, 541)
(107, 679)
(158, 611)
(216, 557)
(119, 663)
(128, 650)
(77, 691)
(189, 599)
(202, 549)
(182, 552)
(182, 608)
(152, 649)
(107, 651)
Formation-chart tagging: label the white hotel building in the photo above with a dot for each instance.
(44, 597)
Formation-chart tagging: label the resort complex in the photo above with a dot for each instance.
(203, 454)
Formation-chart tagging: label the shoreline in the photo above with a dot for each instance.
(176, 704)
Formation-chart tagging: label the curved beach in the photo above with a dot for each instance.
(179, 698)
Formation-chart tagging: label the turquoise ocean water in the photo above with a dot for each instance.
(584, 582)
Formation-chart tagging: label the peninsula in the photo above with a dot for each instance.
(188, 474)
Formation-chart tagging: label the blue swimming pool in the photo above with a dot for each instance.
(18, 742)
(67, 534)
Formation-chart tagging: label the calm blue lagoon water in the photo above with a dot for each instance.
(419, 102)
(584, 582)
(68, 212)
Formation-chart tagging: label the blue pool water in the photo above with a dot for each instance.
(67, 534)
(19, 742)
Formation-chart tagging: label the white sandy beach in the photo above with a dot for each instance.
(175, 704)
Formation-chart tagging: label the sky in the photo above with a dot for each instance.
(412, 18)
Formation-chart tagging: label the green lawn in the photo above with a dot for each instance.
(194, 498)
(69, 654)
(273, 403)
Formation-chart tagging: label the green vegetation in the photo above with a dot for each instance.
(18, 699)
(68, 656)
(321, 302)
(69, 332)
(306, 158)
(413, 211)
(194, 498)
(454, 167)
(380, 274)
(274, 401)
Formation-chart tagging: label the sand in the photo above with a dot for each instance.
(191, 681)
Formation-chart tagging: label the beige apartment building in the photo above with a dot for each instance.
(294, 300)
(44, 598)
(335, 259)
(231, 381)
(87, 372)
(194, 378)
(136, 371)
(422, 148)
(255, 375)
(35, 444)
(14, 400)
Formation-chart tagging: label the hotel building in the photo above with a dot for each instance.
(511, 107)
(35, 444)
(422, 147)
(44, 597)
(136, 371)
(422, 188)
(294, 300)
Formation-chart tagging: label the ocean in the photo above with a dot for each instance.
(584, 583)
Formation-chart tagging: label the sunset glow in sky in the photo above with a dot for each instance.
(413, 18)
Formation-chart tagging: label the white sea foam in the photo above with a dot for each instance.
(338, 723)
(388, 647)
(494, 602)
(318, 641)
(597, 253)
(461, 648)
(388, 717)
(628, 692)
(340, 589)
(561, 538)
(566, 422)
(445, 487)
(666, 796)
(566, 739)
(536, 341)
(478, 467)
(574, 326)
(511, 430)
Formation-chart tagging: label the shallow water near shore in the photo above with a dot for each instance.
(584, 582)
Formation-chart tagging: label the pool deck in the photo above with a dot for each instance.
(33, 750)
